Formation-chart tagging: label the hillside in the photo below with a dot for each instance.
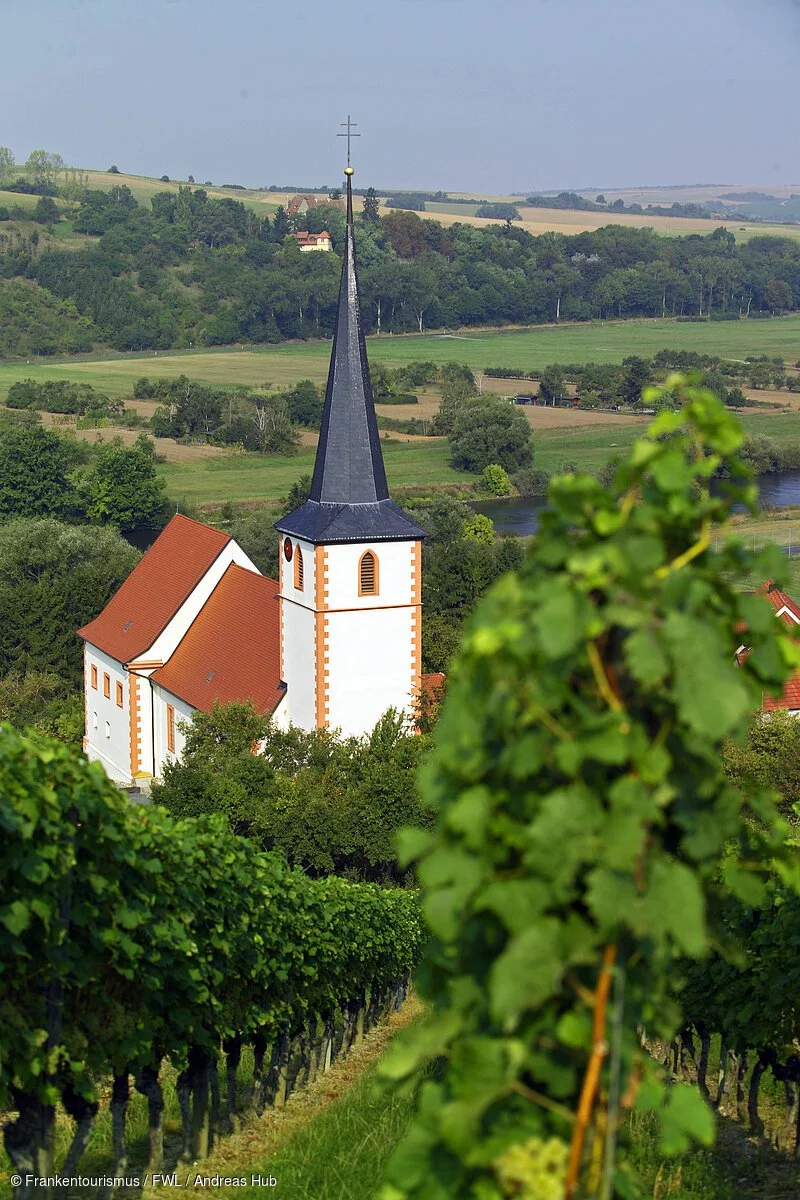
(158, 265)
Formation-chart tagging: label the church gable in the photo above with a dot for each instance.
(151, 596)
(232, 649)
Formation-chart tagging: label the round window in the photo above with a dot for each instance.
(287, 549)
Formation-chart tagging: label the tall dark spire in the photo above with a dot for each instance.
(349, 467)
(349, 498)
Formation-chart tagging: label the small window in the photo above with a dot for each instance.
(94, 720)
(368, 575)
(93, 673)
(107, 686)
(108, 730)
(119, 695)
(170, 728)
(298, 569)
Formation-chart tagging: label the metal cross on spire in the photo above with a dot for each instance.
(349, 125)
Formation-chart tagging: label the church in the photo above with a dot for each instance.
(333, 643)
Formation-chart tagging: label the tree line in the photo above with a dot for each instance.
(193, 270)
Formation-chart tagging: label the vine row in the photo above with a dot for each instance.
(129, 938)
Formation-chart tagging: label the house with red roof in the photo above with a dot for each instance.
(313, 241)
(333, 643)
(787, 611)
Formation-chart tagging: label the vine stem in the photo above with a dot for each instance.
(592, 1077)
(702, 543)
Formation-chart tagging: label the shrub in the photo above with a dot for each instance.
(495, 481)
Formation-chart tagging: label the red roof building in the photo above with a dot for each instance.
(233, 648)
(335, 644)
(155, 589)
(787, 611)
(194, 622)
(313, 241)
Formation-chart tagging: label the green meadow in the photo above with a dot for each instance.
(424, 463)
(529, 349)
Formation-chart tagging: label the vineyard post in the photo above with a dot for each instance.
(260, 1047)
(198, 1072)
(215, 1106)
(183, 1093)
(756, 1124)
(84, 1113)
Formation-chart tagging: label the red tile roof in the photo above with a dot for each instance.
(233, 649)
(155, 589)
(432, 685)
(780, 601)
(789, 611)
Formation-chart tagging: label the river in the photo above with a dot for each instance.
(520, 515)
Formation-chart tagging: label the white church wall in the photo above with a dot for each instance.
(168, 641)
(370, 666)
(395, 567)
(299, 638)
(107, 738)
(307, 593)
(183, 712)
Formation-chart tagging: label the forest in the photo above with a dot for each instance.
(193, 271)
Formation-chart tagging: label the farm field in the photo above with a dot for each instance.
(534, 220)
(425, 462)
(571, 221)
(235, 477)
(529, 348)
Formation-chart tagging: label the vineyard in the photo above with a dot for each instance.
(130, 938)
(603, 914)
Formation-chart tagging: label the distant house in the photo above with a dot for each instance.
(313, 241)
(788, 611)
(298, 206)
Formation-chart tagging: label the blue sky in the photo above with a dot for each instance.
(492, 95)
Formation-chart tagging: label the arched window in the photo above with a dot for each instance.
(368, 574)
(298, 569)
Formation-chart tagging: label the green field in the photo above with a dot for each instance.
(530, 349)
(425, 463)
(236, 477)
(422, 463)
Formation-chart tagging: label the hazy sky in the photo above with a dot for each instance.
(493, 95)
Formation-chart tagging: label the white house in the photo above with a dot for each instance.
(313, 241)
(334, 643)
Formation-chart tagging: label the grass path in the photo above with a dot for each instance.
(332, 1140)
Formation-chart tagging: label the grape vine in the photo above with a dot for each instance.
(129, 937)
(588, 839)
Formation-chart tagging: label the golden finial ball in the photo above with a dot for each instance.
(349, 170)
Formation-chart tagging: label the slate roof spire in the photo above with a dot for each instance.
(349, 499)
(349, 467)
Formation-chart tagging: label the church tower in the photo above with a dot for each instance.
(350, 559)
